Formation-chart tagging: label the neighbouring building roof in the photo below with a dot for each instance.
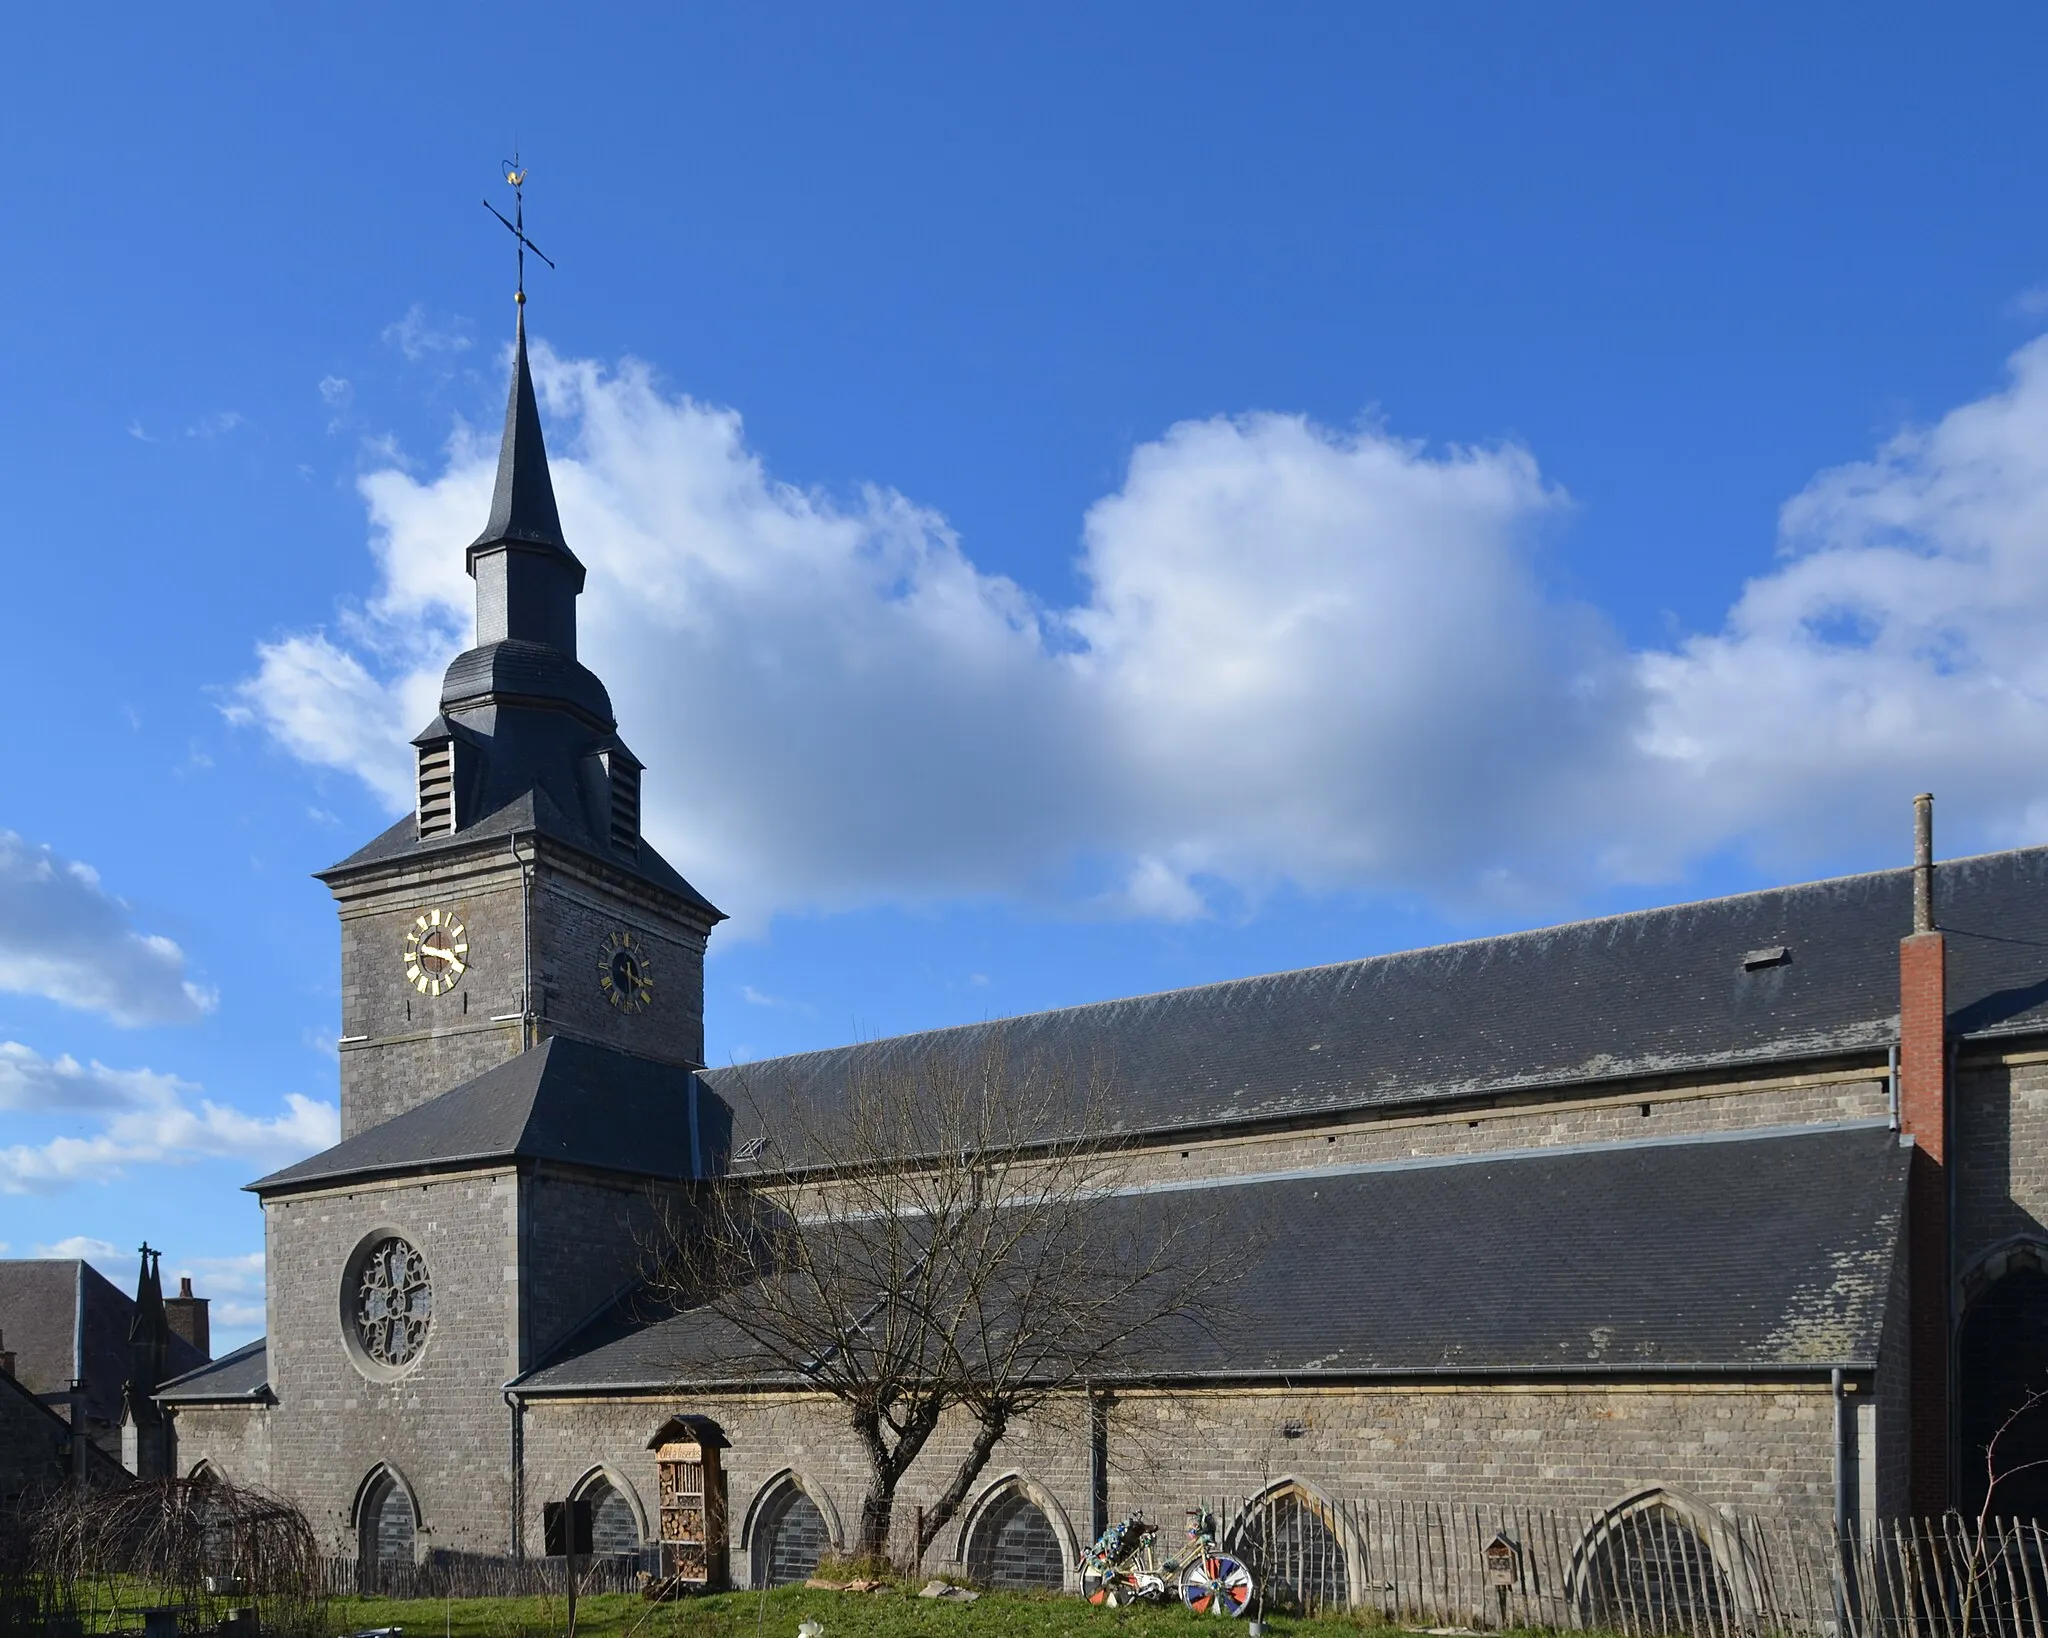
(1743, 1252)
(241, 1375)
(1786, 974)
(564, 1100)
(62, 1319)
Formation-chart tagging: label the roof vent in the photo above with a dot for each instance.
(446, 765)
(625, 805)
(1772, 955)
(437, 788)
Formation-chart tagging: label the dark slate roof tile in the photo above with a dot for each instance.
(1650, 993)
(61, 1318)
(533, 812)
(564, 1100)
(1780, 1245)
(243, 1374)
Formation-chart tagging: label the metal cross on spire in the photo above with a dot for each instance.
(516, 226)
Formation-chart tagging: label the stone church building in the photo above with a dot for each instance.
(1737, 1204)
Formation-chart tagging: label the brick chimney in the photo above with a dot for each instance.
(1923, 1116)
(187, 1317)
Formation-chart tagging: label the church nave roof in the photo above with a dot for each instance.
(1744, 1252)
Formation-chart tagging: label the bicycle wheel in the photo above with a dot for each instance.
(1216, 1585)
(1111, 1590)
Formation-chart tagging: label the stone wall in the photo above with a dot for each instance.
(232, 1439)
(576, 910)
(587, 1239)
(1767, 1446)
(2000, 1121)
(441, 1424)
(419, 1046)
(1529, 1122)
(1888, 1466)
(35, 1445)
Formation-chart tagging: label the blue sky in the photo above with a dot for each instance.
(1081, 500)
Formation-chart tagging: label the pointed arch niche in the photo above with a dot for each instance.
(1660, 1561)
(387, 1529)
(618, 1521)
(790, 1526)
(1298, 1547)
(2002, 1357)
(1018, 1535)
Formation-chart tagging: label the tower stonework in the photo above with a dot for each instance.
(519, 900)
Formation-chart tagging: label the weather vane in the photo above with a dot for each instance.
(516, 226)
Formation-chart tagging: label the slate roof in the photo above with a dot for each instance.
(243, 1374)
(564, 1100)
(62, 1318)
(523, 498)
(1742, 1252)
(1650, 993)
(532, 812)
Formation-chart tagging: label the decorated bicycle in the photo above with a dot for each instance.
(1123, 1567)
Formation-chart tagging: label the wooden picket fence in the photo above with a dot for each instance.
(1647, 1572)
(480, 1575)
(1643, 1571)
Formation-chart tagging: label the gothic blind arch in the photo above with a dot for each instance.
(1660, 1560)
(790, 1526)
(1298, 1546)
(618, 1521)
(1017, 1535)
(2001, 1359)
(387, 1525)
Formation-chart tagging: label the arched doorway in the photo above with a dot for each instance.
(2002, 1357)
(1013, 1544)
(1648, 1567)
(1289, 1540)
(789, 1537)
(386, 1532)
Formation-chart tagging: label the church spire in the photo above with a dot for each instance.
(523, 503)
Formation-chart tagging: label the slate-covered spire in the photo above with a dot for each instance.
(523, 503)
(149, 1333)
(527, 579)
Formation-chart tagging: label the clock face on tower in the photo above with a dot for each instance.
(624, 973)
(436, 952)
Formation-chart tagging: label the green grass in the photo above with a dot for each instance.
(897, 1613)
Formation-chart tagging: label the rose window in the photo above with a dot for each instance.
(394, 1303)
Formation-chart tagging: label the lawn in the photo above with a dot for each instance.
(889, 1614)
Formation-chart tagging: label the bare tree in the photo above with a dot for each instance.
(942, 1233)
(1984, 1544)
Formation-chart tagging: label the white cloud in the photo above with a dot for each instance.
(235, 1286)
(416, 337)
(1898, 648)
(82, 1245)
(63, 936)
(143, 1117)
(1302, 655)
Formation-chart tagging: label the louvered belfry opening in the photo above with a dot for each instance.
(437, 788)
(625, 782)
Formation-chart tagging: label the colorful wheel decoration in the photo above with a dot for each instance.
(1216, 1585)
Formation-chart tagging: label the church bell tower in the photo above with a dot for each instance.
(519, 900)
